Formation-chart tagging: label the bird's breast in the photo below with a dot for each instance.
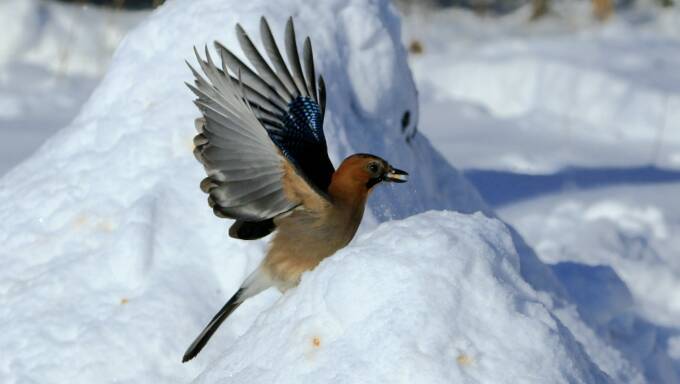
(304, 239)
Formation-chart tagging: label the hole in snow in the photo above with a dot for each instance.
(416, 47)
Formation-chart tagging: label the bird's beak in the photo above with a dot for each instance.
(396, 176)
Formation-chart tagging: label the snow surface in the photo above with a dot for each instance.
(554, 92)
(108, 241)
(52, 55)
(107, 238)
(435, 298)
(541, 116)
(632, 228)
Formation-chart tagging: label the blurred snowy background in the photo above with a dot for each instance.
(565, 115)
(569, 125)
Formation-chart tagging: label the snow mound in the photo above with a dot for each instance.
(553, 95)
(630, 229)
(435, 298)
(627, 232)
(36, 32)
(52, 55)
(544, 96)
(111, 258)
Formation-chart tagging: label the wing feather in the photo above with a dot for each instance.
(294, 58)
(263, 69)
(275, 57)
(298, 130)
(244, 167)
(249, 77)
(260, 139)
(308, 57)
(322, 95)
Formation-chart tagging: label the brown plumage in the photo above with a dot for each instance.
(320, 227)
(261, 142)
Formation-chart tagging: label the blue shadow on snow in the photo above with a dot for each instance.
(501, 187)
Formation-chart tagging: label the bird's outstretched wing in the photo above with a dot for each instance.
(261, 138)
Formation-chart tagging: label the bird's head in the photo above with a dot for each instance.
(366, 171)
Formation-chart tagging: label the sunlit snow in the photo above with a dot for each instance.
(112, 261)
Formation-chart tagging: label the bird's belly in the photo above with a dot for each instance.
(295, 250)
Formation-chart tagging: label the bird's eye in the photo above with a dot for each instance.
(373, 167)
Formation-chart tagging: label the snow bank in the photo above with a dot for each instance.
(505, 94)
(111, 258)
(435, 298)
(52, 56)
(112, 261)
(630, 228)
(60, 37)
(577, 91)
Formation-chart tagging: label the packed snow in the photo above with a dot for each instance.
(107, 238)
(559, 91)
(568, 127)
(52, 56)
(435, 298)
(624, 227)
(108, 241)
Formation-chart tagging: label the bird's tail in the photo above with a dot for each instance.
(212, 326)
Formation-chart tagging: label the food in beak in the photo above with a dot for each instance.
(396, 176)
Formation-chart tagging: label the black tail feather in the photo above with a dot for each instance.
(212, 326)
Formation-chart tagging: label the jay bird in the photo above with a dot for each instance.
(261, 142)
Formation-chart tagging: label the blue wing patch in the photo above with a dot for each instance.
(285, 99)
(302, 123)
(301, 140)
